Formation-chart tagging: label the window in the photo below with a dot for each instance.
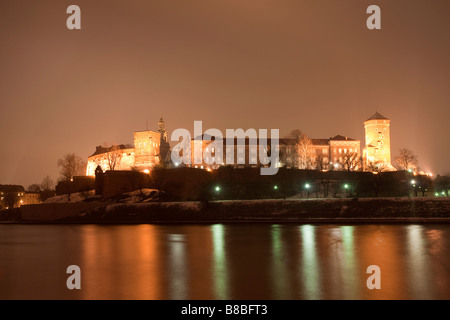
(345, 150)
(340, 150)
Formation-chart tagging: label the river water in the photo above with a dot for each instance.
(225, 261)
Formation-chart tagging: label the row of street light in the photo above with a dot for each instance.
(307, 187)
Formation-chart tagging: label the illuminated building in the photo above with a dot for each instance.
(334, 150)
(378, 144)
(241, 154)
(150, 149)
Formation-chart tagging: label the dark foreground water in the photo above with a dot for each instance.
(246, 261)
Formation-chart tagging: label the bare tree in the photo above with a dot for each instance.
(47, 187)
(320, 163)
(300, 151)
(113, 156)
(406, 160)
(351, 161)
(34, 188)
(70, 165)
(47, 183)
(306, 152)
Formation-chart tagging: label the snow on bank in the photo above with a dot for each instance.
(74, 197)
(137, 196)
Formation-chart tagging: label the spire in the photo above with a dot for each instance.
(161, 126)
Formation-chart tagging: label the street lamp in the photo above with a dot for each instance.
(275, 187)
(217, 188)
(307, 187)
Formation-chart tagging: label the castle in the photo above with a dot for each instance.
(151, 148)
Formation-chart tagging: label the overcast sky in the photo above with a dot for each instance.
(286, 64)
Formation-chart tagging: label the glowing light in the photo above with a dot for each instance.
(217, 188)
(307, 186)
(346, 186)
(275, 187)
(413, 182)
(147, 171)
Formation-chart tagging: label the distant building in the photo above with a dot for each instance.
(377, 151)
(330, 151)
(334, 151)
(11, 196)
(31, 198)
(240, 154)
(151, 148)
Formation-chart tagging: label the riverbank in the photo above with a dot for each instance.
(367, 210)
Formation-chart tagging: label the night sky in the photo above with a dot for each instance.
(286, 64)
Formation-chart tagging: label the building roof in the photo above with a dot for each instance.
(341, 138)
(101, 150)
(320, 142)
(377, 116)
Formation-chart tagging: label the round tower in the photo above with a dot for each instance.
(378, 142)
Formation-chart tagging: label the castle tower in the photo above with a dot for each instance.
(378, 143)
(162, 129)
(164, 143)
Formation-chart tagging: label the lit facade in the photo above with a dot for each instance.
(149, 150)
(123, 157)
(330, 151)
(377, 151)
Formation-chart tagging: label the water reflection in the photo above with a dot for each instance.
(309, 266)
(225, 261)
(220, 270)
(177, 266)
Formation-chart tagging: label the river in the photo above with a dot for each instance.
(225, 261)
